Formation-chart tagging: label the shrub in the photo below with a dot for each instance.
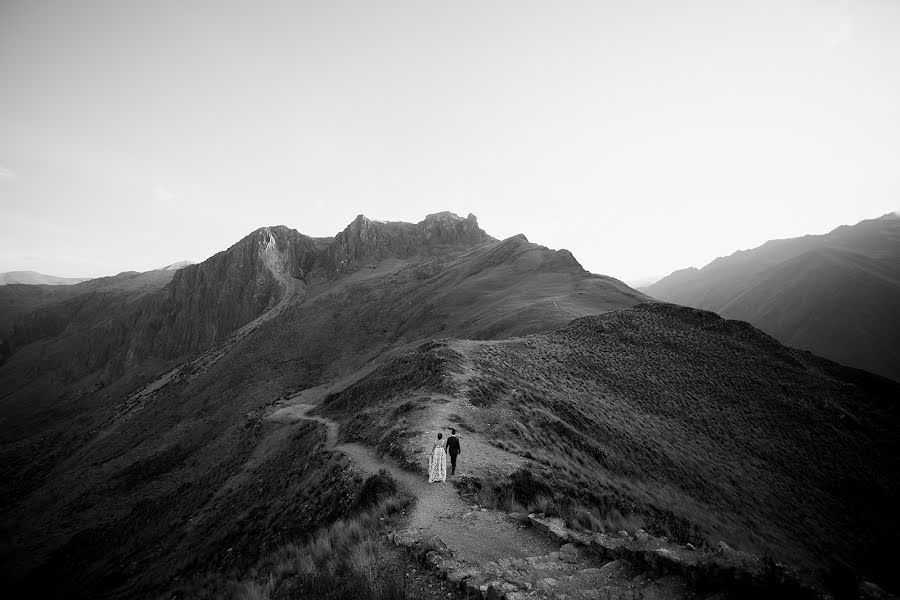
(257, 591)
(523, 492)
(585, 519)
(321, 549)
(376, 488)
(364, 557)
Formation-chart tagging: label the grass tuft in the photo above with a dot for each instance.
(339, 562)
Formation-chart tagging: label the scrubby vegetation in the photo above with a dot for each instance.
(339, 561)
(678, 422)
(342, 561)
(711, 421)
(537, 490)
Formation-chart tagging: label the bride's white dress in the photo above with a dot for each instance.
(437, 464)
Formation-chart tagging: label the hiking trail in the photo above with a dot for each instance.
(474, 534)
(488, 547)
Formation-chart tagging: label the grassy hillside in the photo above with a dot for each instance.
(693, 423)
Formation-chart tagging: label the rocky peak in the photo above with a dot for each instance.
(365, 239)
(285, 250)
(450, 227)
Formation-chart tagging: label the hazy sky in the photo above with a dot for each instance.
(642, 136)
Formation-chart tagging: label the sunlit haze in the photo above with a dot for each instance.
(642, 136)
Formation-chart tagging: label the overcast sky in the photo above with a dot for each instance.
(643, 136)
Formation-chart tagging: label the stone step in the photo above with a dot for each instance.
(573, 572)
(544, 577)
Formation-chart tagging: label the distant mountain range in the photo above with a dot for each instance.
(836, 294)
(35, 278)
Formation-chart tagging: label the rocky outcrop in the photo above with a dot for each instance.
(365, 239)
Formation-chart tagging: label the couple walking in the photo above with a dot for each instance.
(437, 461)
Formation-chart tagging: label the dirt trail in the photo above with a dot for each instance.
(562, 308)
(479, 458)
(488, 545)
(474, 535)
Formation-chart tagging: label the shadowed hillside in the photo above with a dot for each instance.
(705, 429)
(134, 449)
(835, 294)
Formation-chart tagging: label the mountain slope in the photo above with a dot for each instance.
(133, 446)
(833, 294)
(708, 429)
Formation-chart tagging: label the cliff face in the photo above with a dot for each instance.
(365, 239)
(206, 302)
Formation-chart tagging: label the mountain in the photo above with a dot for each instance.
(177, 265)
(834, 294)
(202, 432)
(134, 448)
(35, 278)
(642, 282)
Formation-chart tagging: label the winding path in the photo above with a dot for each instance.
(488, 546)
(474, 535)
(562, 308)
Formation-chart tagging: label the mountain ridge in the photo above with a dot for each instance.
(843, 313)
(177, 318)
(138, 453)
(35, 278)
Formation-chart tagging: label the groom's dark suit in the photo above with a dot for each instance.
(453, 450)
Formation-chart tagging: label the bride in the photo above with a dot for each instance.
(437, 462)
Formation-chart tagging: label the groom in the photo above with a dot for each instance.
(453, 450)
